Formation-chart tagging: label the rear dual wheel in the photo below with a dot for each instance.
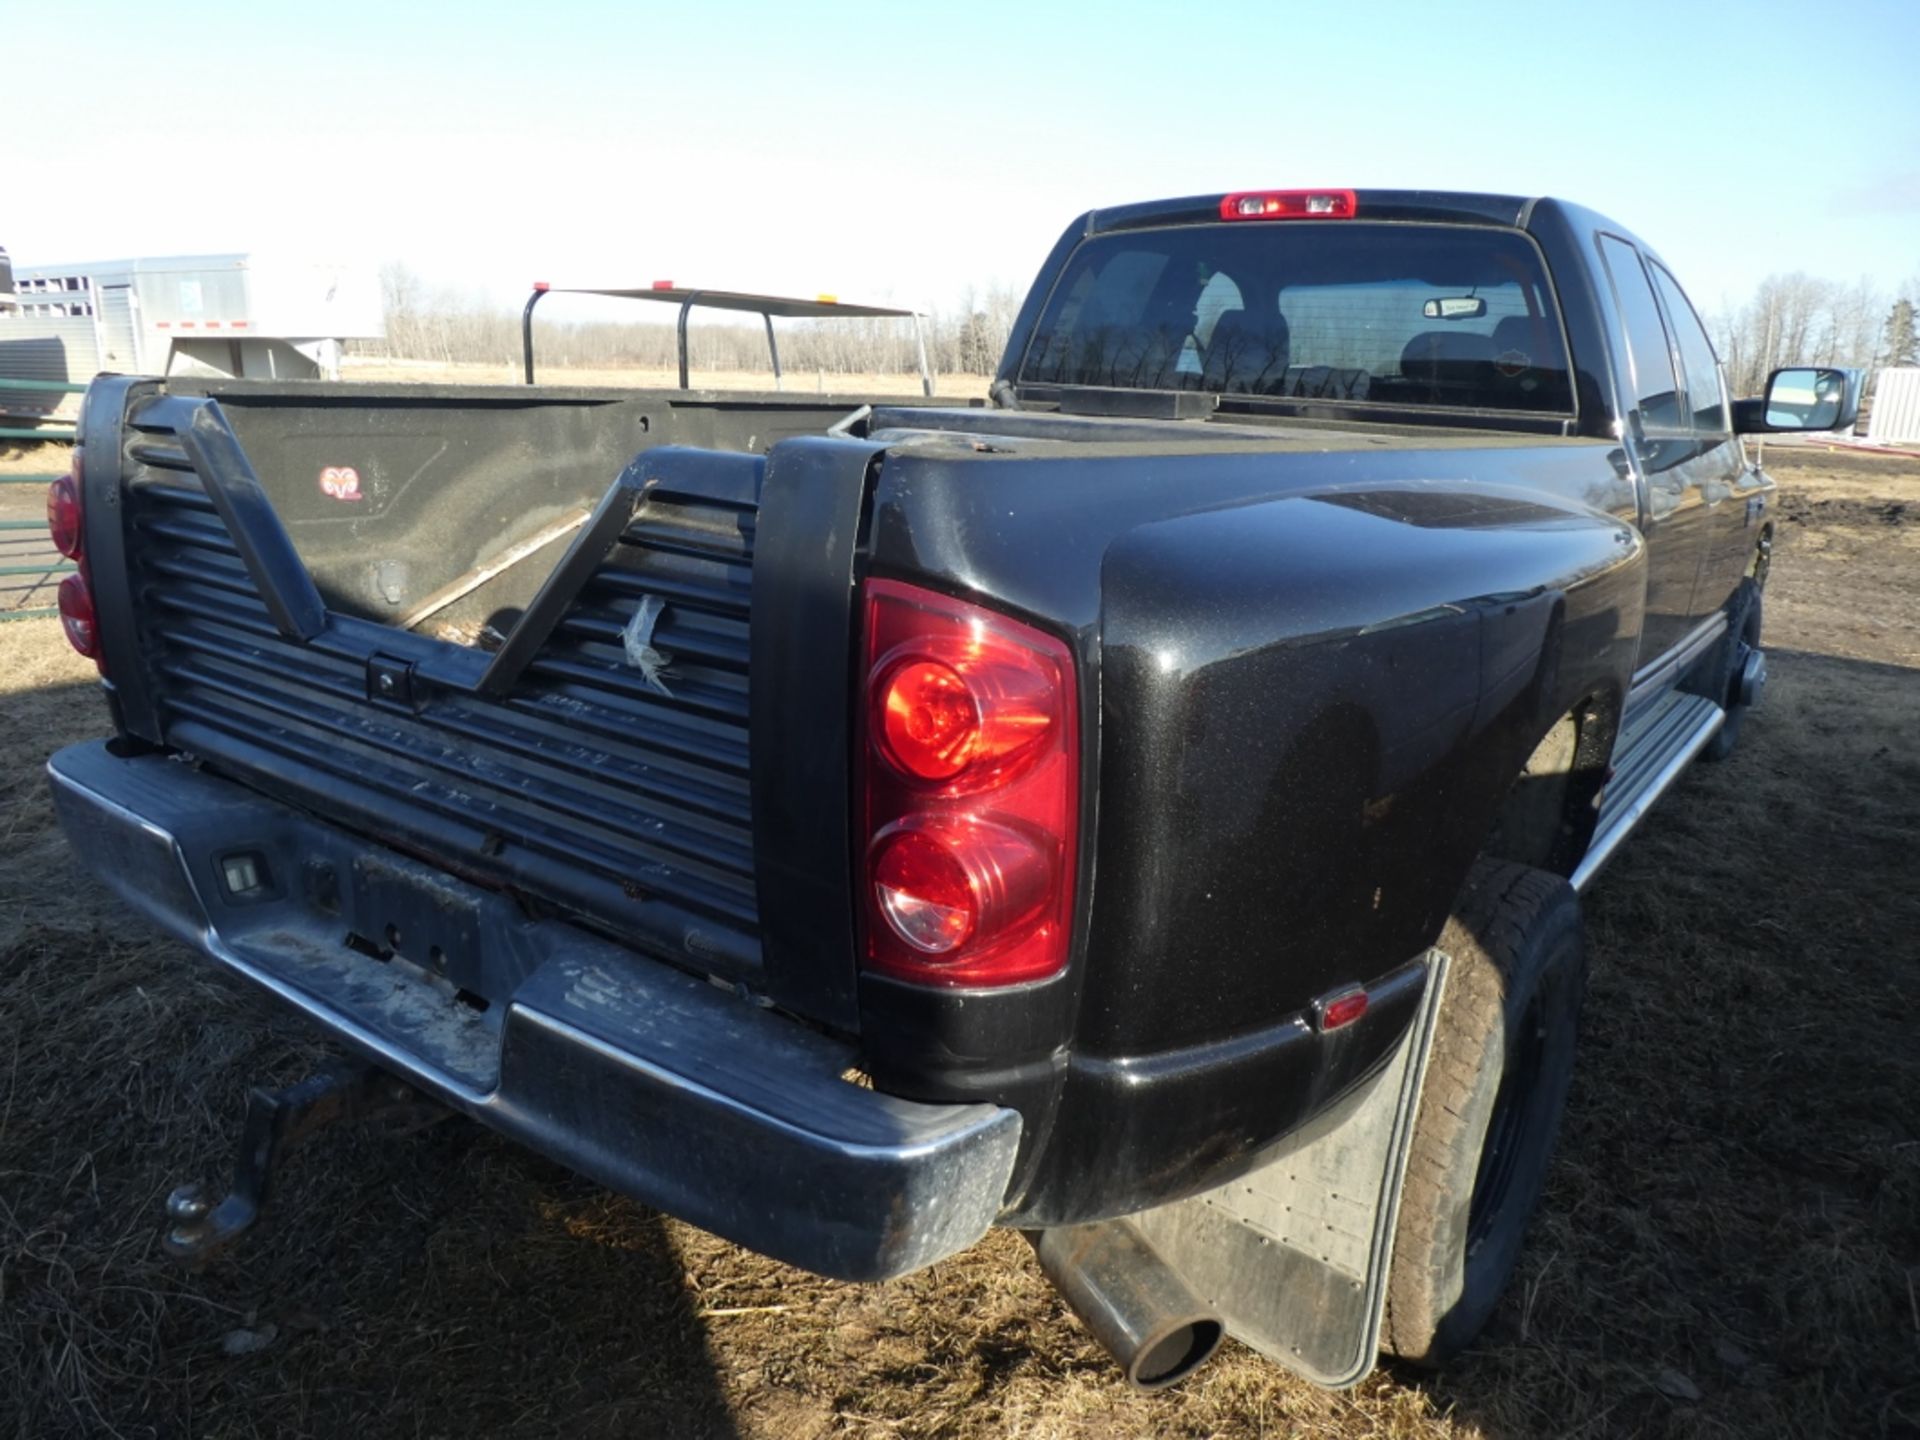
(1496, 1086)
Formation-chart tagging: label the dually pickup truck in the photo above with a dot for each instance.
(1147, 809)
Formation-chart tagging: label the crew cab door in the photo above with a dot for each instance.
(1674, 468)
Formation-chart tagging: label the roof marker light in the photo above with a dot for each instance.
(1289, 205)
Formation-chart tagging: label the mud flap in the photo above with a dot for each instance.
(1294, 1256)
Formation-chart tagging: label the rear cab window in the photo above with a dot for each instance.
(1388, 314)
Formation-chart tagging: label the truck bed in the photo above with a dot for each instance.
(599, 765)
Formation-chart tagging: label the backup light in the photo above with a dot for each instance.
(924, 892)
(76, 616)
(1289, 205)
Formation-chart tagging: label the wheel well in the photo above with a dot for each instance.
(1547, 815)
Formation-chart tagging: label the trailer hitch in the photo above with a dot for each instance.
(277, 1122)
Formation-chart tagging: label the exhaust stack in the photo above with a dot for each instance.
(1146, 1316)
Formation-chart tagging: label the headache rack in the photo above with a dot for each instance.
(767, 307)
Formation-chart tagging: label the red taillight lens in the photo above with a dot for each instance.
(929, 720)
(76, 616)
(1289, 205)
(63, 515)
(951, 708)
(970, 792)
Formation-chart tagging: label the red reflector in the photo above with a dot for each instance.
(1289, 205)
(663, 284)
(1344, 1007)
(76, 616)
(541, 285)
(63, 516)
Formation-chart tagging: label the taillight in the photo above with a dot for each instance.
(63, 516)
(76, 616)
(970, 792)
(1289, 205)
(66, 523)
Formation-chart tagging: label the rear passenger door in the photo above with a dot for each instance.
(1735, 499)
(1661, 441)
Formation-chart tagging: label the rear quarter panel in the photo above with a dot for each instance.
(1309, 680)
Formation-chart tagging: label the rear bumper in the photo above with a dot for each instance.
(654, 1082)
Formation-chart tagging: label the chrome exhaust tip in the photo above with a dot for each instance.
(1135, 1304)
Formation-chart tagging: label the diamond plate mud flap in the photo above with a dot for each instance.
(1294, 1256)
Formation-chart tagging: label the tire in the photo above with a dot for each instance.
(1743, 637)
(1490, 1109)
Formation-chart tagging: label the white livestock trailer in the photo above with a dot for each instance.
(251, 316)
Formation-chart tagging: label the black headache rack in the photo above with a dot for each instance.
(599, 765)
(767, 307)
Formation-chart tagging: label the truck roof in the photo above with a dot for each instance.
(1457, 207)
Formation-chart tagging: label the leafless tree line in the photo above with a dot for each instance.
(445, 326)
(1801, 319)
(1789, 320)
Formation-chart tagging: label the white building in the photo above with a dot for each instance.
(1895, 416)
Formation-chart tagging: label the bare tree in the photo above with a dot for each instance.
(1900, 345)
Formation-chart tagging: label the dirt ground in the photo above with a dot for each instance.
(1730, 1244)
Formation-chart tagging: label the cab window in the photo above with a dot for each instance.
(1656, 390)
(1405, 315)
(1701, 368)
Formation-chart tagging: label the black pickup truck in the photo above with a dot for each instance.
(1147, 809)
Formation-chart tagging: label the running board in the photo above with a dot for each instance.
(1656, 746)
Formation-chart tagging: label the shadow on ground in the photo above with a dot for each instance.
(1729, 1244)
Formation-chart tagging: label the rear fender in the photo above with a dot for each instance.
(1311, 710)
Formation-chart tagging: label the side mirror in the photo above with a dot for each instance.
(1801, 399)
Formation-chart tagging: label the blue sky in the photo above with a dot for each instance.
(906, 151)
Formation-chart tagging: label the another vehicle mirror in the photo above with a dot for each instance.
(1454, 307)
(1803, 398)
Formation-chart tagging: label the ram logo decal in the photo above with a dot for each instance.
(340, 482)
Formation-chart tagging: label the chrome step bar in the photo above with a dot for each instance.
(1656, 746)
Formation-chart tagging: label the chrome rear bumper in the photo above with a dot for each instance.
(652, 1081)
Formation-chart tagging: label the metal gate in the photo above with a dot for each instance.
(29, 565)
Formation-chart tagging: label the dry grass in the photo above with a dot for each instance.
(1737, 1202)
